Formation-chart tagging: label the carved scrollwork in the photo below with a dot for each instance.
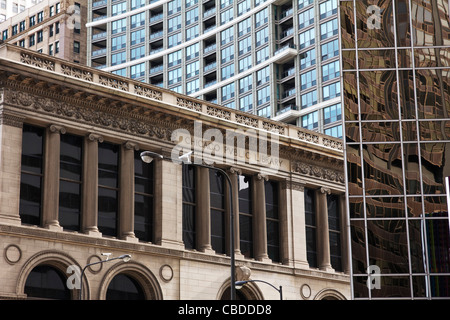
(147, 92)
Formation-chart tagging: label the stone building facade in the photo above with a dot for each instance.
(72, 187)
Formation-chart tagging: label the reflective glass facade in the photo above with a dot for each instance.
(396, 98)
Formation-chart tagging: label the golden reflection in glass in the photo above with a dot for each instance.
(347, 25)
(385, 207)
(431, 57)
(350, 95)
(434, 130)
(433, 93)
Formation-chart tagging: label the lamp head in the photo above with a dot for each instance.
(148, 156)
(185, 158)
(125, 257)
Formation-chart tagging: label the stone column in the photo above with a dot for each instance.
(323, 236)
(233, 173)
(10, 166)
(344, 234)
(203, 216)
(259, 219)
(50, 193)
(168, 197)
(126, 197)
(298, 242)
(90, 185)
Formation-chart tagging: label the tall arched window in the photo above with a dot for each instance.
(124, 287)
(46, 282)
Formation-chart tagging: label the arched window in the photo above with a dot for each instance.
(124, 287)
(46, 282)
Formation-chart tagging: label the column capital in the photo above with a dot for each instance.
(234, 170)
(53, 128)
(325, 190)
(260, 176)
(94, 137)
(11, 118)
(129, 145)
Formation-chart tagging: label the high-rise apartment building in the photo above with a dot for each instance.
(9, 8)
(396, 96)
(274, 58)
(53, 27)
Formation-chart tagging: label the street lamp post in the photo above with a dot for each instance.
(147, 156)
(124, 258)
(280, 290)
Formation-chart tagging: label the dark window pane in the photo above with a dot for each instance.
(123, 287)
(246, 235)
(218, 231)
(69, 205)
(47, 283)
(273, 240)
(143, 175)
(143, 217)
(107, 211)
(71, 157)
(30, 199)
(189, 226)
(108, 164)
(32, 149)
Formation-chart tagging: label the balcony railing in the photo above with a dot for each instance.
(287, 108)
(288, 93)
(99, 52)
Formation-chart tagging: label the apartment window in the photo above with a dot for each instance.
(226, 16)
(306, 18)
(31, 40)
(328, 8)
(245, 45)
(225, 3)
(31, 174)
(332, 113)
(22, 26)
(227, 35)
(118, 58)
(308, 79)
(137, 71)
(192, 69)
(174, 40)
(189, 206)
(14, 29)
(330, 49)
(175, 58)
(56, 27)
(40, 16)
(311, 120)
(40, 36)
(120, 72)
(191, 3)
(175, 76)
(70, 172)
(308, 99)
(227, 72)
(245, 26)
(245, 216)
(118, 42)
(264, 112)
(306, 38)
(245, 84)
(50, 49)
(227, 54)
(119, 8)
(3, 4)
(138, 20)
(137, 4)
(192, 16)
(57, 7)
(192, 86)
(51, 11)
(310, 227)
(108, 188)
(50, 31)
(243, 7)
(228, 92)
(330, 71)
(245, 63)
(217, 208)
(272, 220)
(32, 20)
(331, 91)
(136, 37)
(263, 95)
(22, 43)
(137, 53)
(246, 103)
(56, 47)
(174, 6)
(304, 3)
(328, 29)
(262, 54)
(143, 198)
(192, 32)
(261, 17)
(5, 34)
(192, 51)
(263, 75)
(334, 131)
(76, 47)
(119, 26)
(262, 36)
(307, 59)
(174, 23)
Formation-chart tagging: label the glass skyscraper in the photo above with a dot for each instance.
(273, 58)
(396, 98)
